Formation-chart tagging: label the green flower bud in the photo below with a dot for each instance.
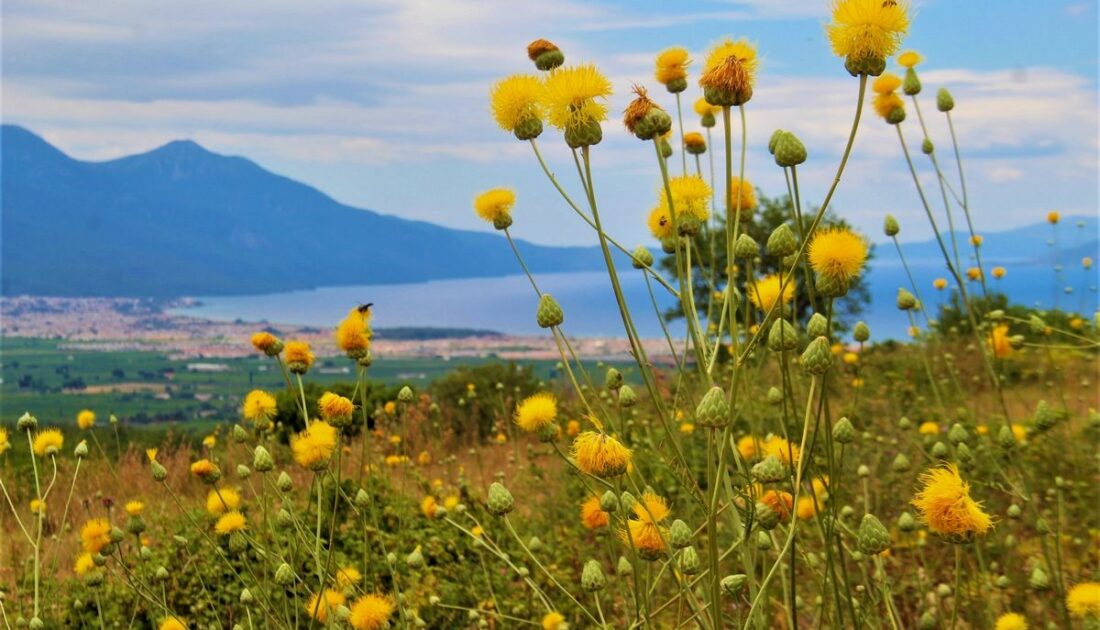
(1002, 582)
(963, 454)
(262, 460)
(161, 574)
(1044, 416)
(549, 433)
(766, 517)
(135, 525)
(927, 621)
(901, 463)
(609, 502)
(1038, 580)
(774, 140)
(689, 561)
(284, 483)
(81, 449)
(707, 120)
(627, 397)
(926, 147)
(873, 536)
(843, 431)
(26, 422)
(1014, 511)
(782, 337)
(653, 124)
(763, 541)
(666, 148)
(957, 434)
(237, 542)
(713, 410)
(613, 379)
(911, 84)
(500, 501)
(528, 128)
(745, 248)
(679, 534)
(415, 559)
(782, 241)
(246, 596)
(896, 116)
(1037, 325)
(818, 358)
(861, 332)
(943, 590)
(624, 567)
(817, 326)
(789, 150)
(243, 471)
(642, 257)
(906, 300)
(284, 575)
(732, 585)
(549, 313)
(592, 578)
(160, 473)
(405, 395)
(939, 450)
(863, 470)
(583, 135)
(944, 101)
(627, 501)
(890, 226)
(867, 64)
(906, 522)
(774, 396)
(239, 434)
(905, 424)
(283, 518)
(769, 470)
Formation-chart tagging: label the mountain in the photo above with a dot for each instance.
(1078, 236)
(182, 220)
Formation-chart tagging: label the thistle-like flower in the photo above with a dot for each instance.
(945, 505)
(600, 455)
(495, 206)
(575, 101)
(866, 32)
(517, 107)
(671, 70)
(536, 412)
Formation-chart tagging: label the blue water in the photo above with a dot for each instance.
(508, 304)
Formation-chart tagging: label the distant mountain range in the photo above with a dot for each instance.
(181, 220)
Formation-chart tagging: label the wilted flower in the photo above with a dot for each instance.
(600, 455)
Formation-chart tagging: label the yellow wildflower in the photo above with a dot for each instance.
(1011, 621)
(765, 292)
(83, 564)
(318, 607)
(495, 205)
(4, 443)
(221, 500)
(1083, 600)
(47, 442)
(371, 612)
(592, 516)
(945, 504)
(536, 412)
(741, 50)
(868, 29)
(299, 358)
(600, 455)
(573, 96)
(85, 419)
(998, 272)
(690, 197)
(172, 623)
(1053, 217)
(134, 507)
(553, 621)
(259, 406)
(672, 65)
(644, 531)
(348, 576)
(838, 254)
(265, 342)
(660, 223)
(95, 535)
(313, 447)
(353, 333)
(909, 59)
(999, 340)
(229, 523)
(515, 101)
(335, 408)
(940, 283)
(779, 502)
(428, 506)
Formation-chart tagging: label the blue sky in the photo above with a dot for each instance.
(383, 104)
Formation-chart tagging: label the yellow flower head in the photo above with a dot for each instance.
(1011, 621)
(940, 283)
(353, 333)
(265, 342)
(151, 454)
(884, 104)
(973, 273)
(746, 447)
(928, 428)
(1083, 600)
(222, 500)
(172, 623)
(742, 196)
(741, 50)
(515, 100)
(335, 407)
(371, 612)
(95, 535)
(945, 505)
(672, 65)
(134, 507)
(660, 223)
(783, 450)
(553, 621)
(428, 506)
(4, 443)
(807, 507)
(779, 502)
(690, 196)
(886, 83)
(694, 140)
(838, 254)
(47, 442)
(298, 356)
(998, 272)
(348, 576)
(1053, 217)
(687, 428)
(573, 96)
(318, 607)
(230, 522)
(83, 564)
(702, 108)
(85, 419)
(909, 59)
(999, 340)
(1086, 262)
(863, 29)
(210, 441)
(764, 292)
(536, 412)
(206, 470)
(38, 506)
(592, 517)
(313, 447)
(644, 531)
(600, 455)
(977, 240)
(495, 205)
(851, 358)
(573, 428)
(259, 406)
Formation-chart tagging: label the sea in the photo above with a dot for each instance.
(508, 304)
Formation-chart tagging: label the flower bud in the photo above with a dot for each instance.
(782, 337)
(246, 596)
(689, 561)
(745, 248)
(789, 150)
(817, 326)
(624, 568)
(500, 501)
(926, 147)
(283, 518)
(284, 575)
(769, 470)
(873, 536)
(26, 422)
(583, 135)
(732, 585)
(773, 140)
(863, 471)
(957, 434)
(901, 463)
(1038, 580)
(160, 473)
(609, 502)
(592, 578)
(782, 241)
(161, 574)
(81, 449)
(927, 621)
(911, 84)
(1014, 511)
(870, 65)
(262, 460)
(890, 226)
(627, 397)
(284, 483)
(906, 300)
(713, 410)
(679, 534)
(766, 517)
(774, 396)
(1044, 416)
(906, 522)
(818, 358)
(641, 257)
(939, 450)
(843, 431)
(415, 559)
(861, 332)
(944, 101)
(549, 313)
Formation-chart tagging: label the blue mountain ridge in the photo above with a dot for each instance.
(181, 220)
